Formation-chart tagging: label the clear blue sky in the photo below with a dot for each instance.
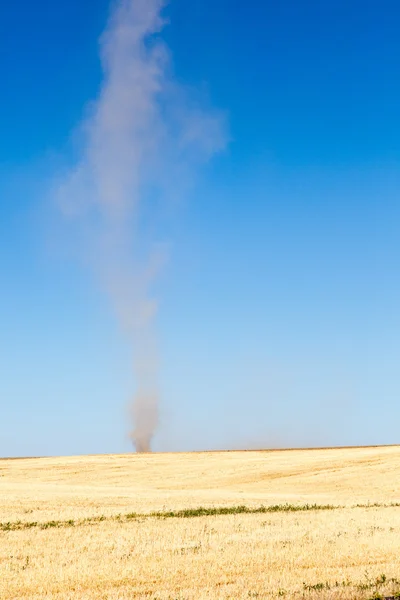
(279, 317)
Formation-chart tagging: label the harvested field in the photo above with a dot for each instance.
(294, 524)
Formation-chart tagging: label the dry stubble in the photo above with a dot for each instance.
(333, 553)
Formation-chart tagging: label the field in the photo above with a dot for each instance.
(291, 524)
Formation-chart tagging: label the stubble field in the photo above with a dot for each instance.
(291, 524)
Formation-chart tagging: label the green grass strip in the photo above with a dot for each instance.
(186, 513)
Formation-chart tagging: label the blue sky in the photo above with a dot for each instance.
(279, 321)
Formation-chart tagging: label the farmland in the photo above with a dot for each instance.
(321, 523)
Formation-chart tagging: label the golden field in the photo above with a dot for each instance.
(66, 531)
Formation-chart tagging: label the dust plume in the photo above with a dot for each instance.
(140, 145)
